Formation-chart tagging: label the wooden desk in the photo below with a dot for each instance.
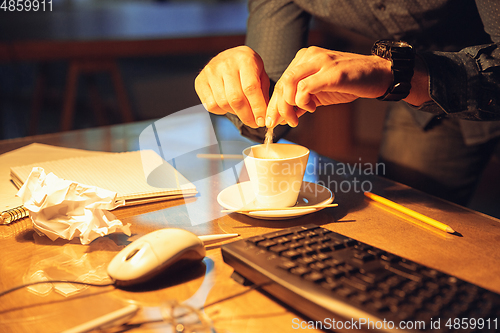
(474, 256)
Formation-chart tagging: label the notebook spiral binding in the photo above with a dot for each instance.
(13, 214)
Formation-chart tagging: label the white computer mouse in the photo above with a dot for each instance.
(153, 253)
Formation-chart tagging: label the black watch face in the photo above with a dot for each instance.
(387, 48)
(394, 43)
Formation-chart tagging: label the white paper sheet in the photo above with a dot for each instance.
(65, 209)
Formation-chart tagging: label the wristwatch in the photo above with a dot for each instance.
(402, 57)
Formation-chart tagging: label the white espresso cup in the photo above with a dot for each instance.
(276, 173)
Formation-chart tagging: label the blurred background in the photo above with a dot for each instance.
(72, 64)
(64, 59)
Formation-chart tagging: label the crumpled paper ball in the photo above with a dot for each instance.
(61, 208)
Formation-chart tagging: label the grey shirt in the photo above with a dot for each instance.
(457, 39)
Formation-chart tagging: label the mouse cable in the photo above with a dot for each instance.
(203, 307)
(90, 284)
(250, 288)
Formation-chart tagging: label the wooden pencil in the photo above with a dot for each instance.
(410, 212)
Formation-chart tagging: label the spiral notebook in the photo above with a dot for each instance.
(123, 173)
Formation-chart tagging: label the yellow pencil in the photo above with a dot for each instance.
(410, 212)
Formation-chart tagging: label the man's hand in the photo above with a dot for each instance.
(234, 81)
(319, 76)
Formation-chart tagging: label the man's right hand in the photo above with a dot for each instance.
(234, 81)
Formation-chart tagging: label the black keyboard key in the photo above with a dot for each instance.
(293, 245)
(362, 247)
(377, 294)
(350, 242)
(404, 272)
(309, 242)
(266, 243)
(431, 285)
(410, 287)
(373, 276)
(334, 272)
(346, 291)
(310, 234)
(431, 273)
(321, 248)
(357, 284)
(399, 293)
(393, 302)
(300, 270)
(281, 240)
(287, 265)
(291, 254)
(334, 262)
(281, 233)
(363, 257)
(306, 250)
(330, 284)
(321, 256)
(256, 239)
(362, 298)
(389, 257)
(336, 245)
(278, 248)
(395, 281)
(410, 265)
(318, 266)
(306, 261)
(297, 237)
(349, 269)
(376, 252)
(379, 306)
(323, 239)
(315, 277)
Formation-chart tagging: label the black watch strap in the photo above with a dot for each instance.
(402, 57)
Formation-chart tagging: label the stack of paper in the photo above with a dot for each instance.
(123, 173)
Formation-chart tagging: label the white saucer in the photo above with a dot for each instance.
(241, 195)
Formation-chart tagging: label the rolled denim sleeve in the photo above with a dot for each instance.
(465, 84)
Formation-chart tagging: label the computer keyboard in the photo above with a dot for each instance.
(341, 284)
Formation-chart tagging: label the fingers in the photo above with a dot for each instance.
(290, 100)
(280, 112)
(235, 82)
(206, 95)
(306, 90)
(286, 111)
(272, 114)
(304, 65)
(291, 77)
(255, 88)
(235, 99)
